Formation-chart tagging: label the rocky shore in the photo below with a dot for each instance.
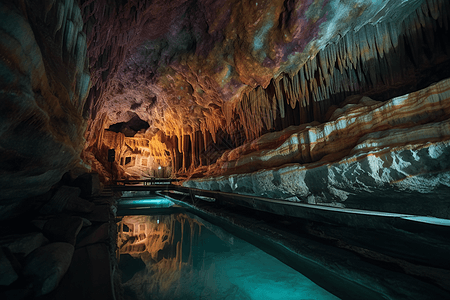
(64, 246)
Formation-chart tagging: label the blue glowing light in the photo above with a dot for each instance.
(155, 202)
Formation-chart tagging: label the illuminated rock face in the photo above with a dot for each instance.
(391, 156)
(142, 155)
(213, 75)
(44, 84)
(207, 77)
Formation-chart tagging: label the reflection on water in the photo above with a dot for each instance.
(180, 256)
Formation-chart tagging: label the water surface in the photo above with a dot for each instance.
(180, 256)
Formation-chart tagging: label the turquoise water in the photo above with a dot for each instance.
(180, 256)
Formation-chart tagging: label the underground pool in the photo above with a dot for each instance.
(167, 253)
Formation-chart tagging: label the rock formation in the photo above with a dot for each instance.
(369, 155)
(44, 84)
(207, 79)
(175, 87)
(329, 102)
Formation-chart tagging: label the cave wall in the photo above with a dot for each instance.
(44, 84)
(206, 76)
(385, 156)
(142, 155)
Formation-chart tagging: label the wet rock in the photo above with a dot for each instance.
(60, 199)
(46, 266)
(89, 184)
(8, 274)
(63, 229)
(23, 243)
(77, 204)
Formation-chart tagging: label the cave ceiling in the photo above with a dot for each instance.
(233, 66)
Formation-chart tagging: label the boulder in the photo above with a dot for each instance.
(79, 205)
(78, 170)
(39, 224)
(89, 275)
(8, 273)
(15, 209)
(63, 229)
(86, 222)
(46, 266)
(60, 199)
(89, 184)
(101, 213)
(23, 243)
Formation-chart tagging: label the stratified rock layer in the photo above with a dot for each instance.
(391, 156)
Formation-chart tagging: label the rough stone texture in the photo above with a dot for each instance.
(205, 75)
(44, 85)
(63, 196)
(23, 243)
(208, 76)
(140, 155)
(63, 229)
(211, 75)
(367, 125)
(89, 184)
(79, 205)
(47, 265)
(100, 213)
(364, 153)
(240, 51)
(8, 274)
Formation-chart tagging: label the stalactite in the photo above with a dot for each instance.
(193, 149)
(279, 97)
(296, 90)
(180, 142)
(433, 8)
(360, 62)
(333, 53)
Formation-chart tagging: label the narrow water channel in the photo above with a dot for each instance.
(180, 256)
